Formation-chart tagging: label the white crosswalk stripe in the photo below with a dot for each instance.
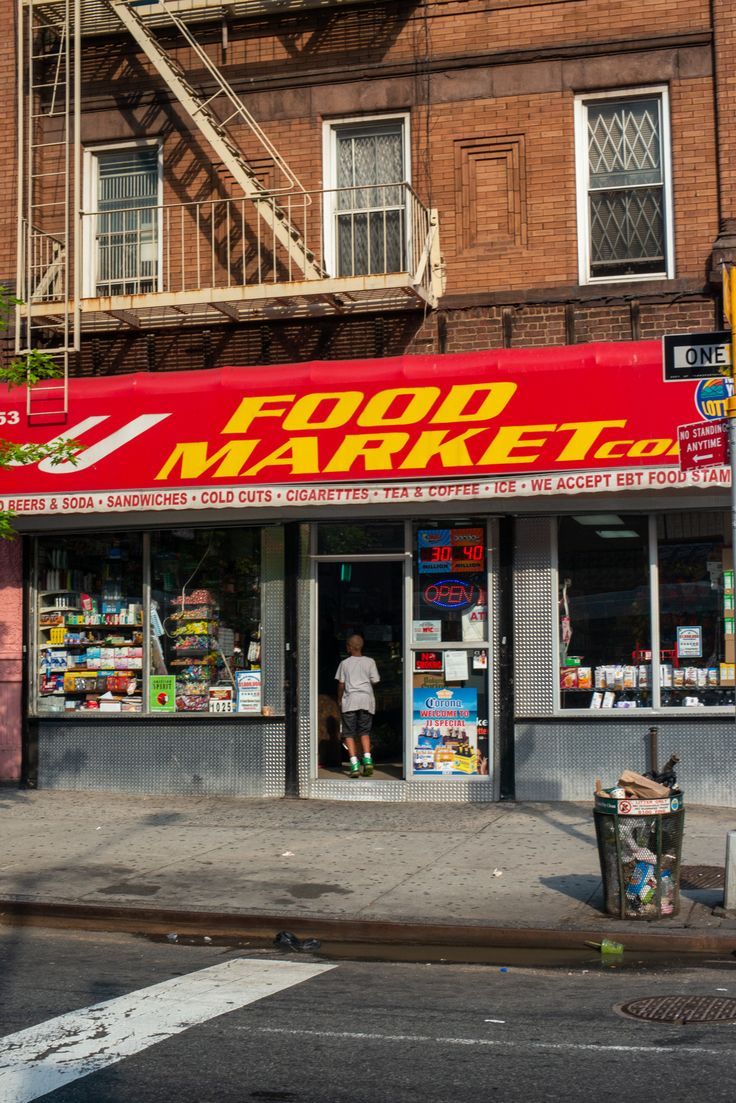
(54, 1053)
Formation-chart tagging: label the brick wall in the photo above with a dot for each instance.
(724, 18)
(8, 178)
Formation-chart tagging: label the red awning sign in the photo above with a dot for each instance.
(703, 444)
(466, 427)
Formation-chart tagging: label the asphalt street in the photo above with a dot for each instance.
(349, 1031)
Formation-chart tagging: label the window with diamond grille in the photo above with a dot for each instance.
(370, 221)
(127, 230)
(627, 214)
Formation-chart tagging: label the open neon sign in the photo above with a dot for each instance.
(451, 593)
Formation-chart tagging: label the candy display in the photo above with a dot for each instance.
(90, 628)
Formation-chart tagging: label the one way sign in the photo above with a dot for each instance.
(703, 444)
(696, 355)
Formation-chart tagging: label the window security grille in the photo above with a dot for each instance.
(626, 188)
(370, 217)
(127, 232)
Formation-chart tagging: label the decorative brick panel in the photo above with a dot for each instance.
(490, 195)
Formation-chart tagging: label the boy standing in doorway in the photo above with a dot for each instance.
(356, 677)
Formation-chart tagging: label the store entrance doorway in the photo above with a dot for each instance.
(364, 597)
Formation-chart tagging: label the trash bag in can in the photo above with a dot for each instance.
(640, 849)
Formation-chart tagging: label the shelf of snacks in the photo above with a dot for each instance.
(90, 631)
(625, 686)
(192, 640)
(90, 672)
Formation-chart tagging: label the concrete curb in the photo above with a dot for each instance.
(152, 921)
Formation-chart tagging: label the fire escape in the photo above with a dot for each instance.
(257, 253)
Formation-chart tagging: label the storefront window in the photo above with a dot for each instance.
(604, 612)
(696, 609)
(205, 621)
(196, 647)
(450, 699)
(90, 624)
(606, 643)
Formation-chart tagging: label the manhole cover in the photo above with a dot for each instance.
(702, 877)
(681, 1009)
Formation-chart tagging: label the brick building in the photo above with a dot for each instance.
(511, 121)
(255, 183)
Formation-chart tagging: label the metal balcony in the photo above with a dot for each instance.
(370, 248)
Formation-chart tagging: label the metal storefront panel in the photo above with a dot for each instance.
(560, 760)
(272, 616)
(495, 642)
(429, 792)
(305, 617)
(208, 758)
(534, 621)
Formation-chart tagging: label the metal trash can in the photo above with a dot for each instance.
(640, 848)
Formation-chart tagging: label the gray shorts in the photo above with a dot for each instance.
(358, 722)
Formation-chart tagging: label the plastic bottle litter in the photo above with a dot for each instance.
(607, 946)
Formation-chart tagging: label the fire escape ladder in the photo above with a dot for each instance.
(199, 107)
(48, 182)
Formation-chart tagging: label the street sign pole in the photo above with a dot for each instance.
(729, 308)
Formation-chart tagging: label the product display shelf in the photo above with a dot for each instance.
(101, 672)
(88, 625)
(65, 601)
(192, 651)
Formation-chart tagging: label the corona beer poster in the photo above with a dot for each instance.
(445, 731)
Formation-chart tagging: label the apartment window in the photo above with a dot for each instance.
(624, 215)
(366, 170)
(124, 204)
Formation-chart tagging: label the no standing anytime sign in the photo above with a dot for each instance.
(703, 444)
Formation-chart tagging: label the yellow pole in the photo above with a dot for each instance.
(729, 308)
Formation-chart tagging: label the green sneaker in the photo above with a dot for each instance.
(354, 769)
(367, 767)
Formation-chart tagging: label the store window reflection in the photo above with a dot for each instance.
(696, 609)
(205, 621)
(604, 611)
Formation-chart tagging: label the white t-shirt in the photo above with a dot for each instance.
(360, 674)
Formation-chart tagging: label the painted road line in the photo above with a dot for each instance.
(493, 1043)
(54, 1053)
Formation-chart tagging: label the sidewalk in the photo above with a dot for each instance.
(515, 873)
